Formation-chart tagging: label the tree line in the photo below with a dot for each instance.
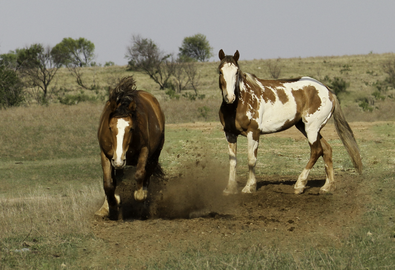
(35, 66)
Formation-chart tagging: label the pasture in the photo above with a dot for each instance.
(51, 185)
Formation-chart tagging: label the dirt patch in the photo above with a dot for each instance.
(189, 212)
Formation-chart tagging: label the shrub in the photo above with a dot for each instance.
(365, 104)
(274, 68)
(75, 99)
(171, 93)
(389, 68)
(109, 64)
(204, 111)
(338, 85)
(11, 90)
(193, 97)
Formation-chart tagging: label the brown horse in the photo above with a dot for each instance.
(252, 107)
(131, 132)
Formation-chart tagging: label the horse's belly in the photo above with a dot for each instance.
(274, 125)
(277, 117)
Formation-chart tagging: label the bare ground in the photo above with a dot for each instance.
(188, 212)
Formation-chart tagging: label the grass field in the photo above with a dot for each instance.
(51, 179)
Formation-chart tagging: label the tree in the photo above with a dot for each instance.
(144, 55)
(180, 77)
(190, 69)
(11, 88)
(38, 66)
(195, 48)
(274, 68)
(75, 54)
(9, 60)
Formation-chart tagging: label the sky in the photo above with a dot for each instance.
(259, 29)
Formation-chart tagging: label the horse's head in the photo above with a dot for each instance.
(121, 128)
(228, 75)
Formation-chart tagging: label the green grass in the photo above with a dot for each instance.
(46, 204)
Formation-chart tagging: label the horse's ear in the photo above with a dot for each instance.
(236, 56)
(221, 54)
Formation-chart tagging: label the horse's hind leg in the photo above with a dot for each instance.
(327, 156)
(315, 152)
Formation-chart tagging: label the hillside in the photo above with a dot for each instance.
(362, 72)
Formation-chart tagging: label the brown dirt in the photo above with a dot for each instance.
(189, 212)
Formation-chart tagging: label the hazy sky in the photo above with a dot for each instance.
(259, 29)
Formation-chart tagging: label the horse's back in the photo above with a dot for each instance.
(282, 103)
(152, 108)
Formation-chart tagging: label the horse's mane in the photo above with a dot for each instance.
(122, 95)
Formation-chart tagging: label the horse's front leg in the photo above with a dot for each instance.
(231, 188)
(141, 192)
(253, 142)
(112, 201)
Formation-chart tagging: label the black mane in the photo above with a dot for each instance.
(123, 94)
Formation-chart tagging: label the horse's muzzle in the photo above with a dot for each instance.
(229, 100)
(118, 165)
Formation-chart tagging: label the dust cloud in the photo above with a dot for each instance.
(195, 192)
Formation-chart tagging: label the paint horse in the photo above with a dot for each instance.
(131, 132)
(253, 106)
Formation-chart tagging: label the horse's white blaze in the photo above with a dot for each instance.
(229, 72)
(121, 126)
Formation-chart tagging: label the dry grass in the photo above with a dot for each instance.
(40, 215)
(361, 71)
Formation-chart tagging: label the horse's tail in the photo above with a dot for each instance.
(347, 136)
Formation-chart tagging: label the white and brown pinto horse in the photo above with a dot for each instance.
(131, 132)
(252, 107)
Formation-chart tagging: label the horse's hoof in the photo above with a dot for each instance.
(249, 189)
(326, 190)
(113, 213)
(229, 191)
(299, 191)
(140, 195)
(102, 212)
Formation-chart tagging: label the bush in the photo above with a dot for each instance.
(274, 68)
(109, 64)
(193, 97)
(75, 99)
(11, 90)
(171, 93)
(366, 104)
(389, 68)
(203, 112)
(338, 85)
